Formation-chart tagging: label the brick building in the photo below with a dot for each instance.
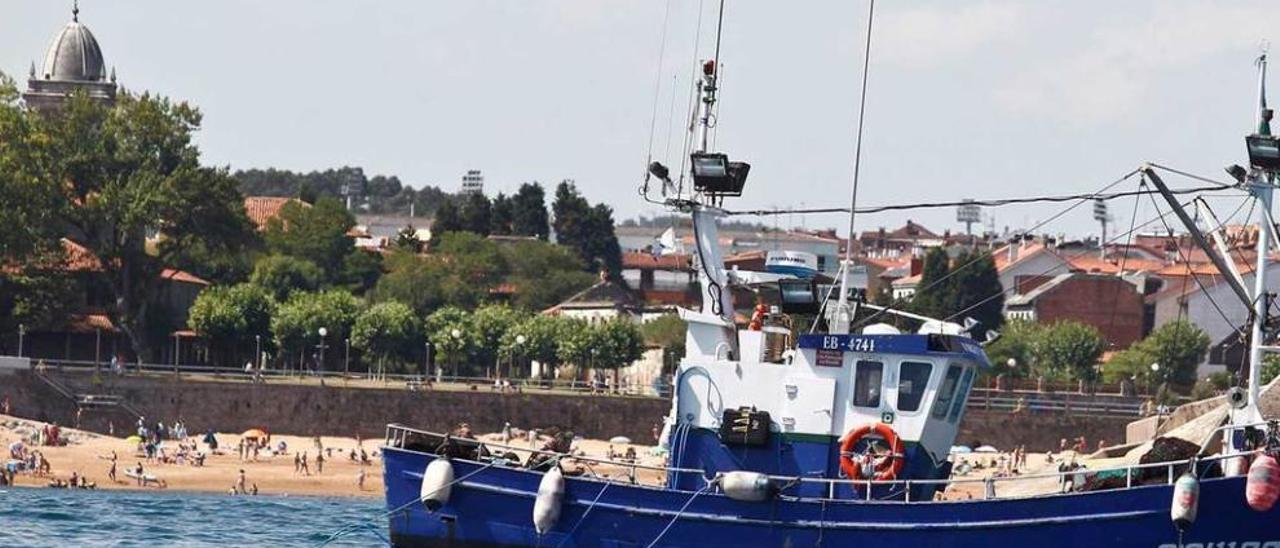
(1109, 303)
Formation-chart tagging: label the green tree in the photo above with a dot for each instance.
(1017, 342)
(230, 317)
(1069, 350)
(28, 202)
(588, 230)
(975, 290)
(933, 291)
(1178, 347)
(407, 240)
(454, 339)
(491, 323)
(475, 214)
(296, 324)
(475, 265)
(419, 282)
(529, 212)
(388, 331)
(361, 270)
(281, 275)
(317, 233)
(536, 338)
(131, 189)
(1270, 368)
(500, 216)
(544, 274)
(447, 219)
(621, 344)
(667, 332)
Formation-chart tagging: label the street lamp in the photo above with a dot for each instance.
(346, 360)
(22, 333)
(520, 339)
(1155, 369)
(323, 333)
(453, 356)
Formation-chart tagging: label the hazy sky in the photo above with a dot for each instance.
(967, 99)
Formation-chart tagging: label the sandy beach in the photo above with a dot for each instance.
(88, 454)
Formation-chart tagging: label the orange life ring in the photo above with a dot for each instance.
(887, 467)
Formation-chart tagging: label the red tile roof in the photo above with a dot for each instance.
(647, 261)
(261, 209)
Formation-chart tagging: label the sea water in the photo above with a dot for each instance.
(60, 517)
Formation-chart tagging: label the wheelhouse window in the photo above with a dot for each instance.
(947, 391)
(961, 396)
(913, 377)
(868, 376)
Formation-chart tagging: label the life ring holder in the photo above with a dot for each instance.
(887, 467)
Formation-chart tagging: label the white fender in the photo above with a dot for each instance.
(437, 483)
(747, 486)
(546, 507)
(1186, 501)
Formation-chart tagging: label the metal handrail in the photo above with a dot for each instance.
(870, 483)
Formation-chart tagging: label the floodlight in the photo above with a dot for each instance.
(1264, 151)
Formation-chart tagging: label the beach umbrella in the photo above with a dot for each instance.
(960, 449)
(620, 439)
(134, 439)
(986, 449)
(255, 433)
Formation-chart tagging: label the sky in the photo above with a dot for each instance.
(976, 99)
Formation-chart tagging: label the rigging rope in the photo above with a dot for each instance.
(1195, 277)
(583, 517)
(984, 203)
(657, 84)
(894, 305)
(663, 533)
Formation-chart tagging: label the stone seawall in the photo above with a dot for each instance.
(313, 410)
(1039, 432)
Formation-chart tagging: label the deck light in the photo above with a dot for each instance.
(715, 175)
(1264, 151)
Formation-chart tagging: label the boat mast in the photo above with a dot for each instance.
(1261, 184)
(844, 316)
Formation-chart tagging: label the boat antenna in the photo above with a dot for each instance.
(843, 316)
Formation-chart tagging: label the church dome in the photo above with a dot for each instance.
(74, 55)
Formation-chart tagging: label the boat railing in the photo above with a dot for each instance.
(869, 488)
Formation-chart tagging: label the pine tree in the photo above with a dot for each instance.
(446, 220)
(931, 297)
(976, 285)
(529, 212)
(475, 214)
(500, 216)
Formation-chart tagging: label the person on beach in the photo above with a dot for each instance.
(306, 470)
(360, 479)
(297, 463)
(111, 473)
(320, 463)
(137, 470)
(240, 483)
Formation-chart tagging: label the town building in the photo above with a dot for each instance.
(735, 241)
(473, 182)
(73, 63)
(1109, 303)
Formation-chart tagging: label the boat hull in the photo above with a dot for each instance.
(492, 506)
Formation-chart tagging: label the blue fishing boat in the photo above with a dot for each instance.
(839, 435)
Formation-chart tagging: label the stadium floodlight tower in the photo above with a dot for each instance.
(969, 213)
(1103, 216)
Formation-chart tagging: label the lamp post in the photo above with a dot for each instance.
(257, 351)
(520, 339)
(1155, 370)
(457, 339)
(320, 347)
(22, 333)
(346, 360)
